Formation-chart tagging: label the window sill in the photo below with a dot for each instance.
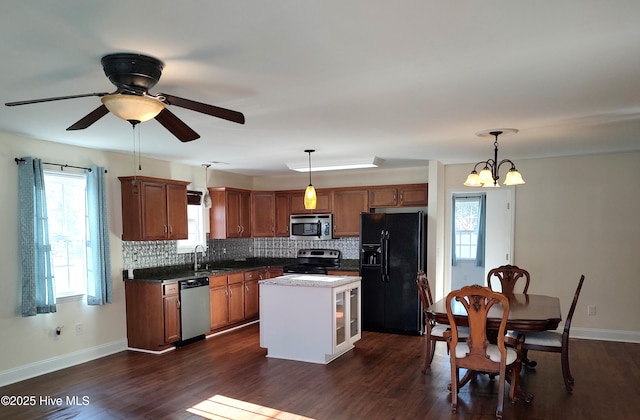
(69, 298)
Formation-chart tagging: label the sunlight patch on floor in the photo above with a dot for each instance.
(221, 407)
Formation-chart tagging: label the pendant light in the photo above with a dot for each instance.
(310, 198)
(206, 200)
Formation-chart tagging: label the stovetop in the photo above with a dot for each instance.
(314, 261)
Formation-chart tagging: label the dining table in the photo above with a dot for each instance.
(527, 312)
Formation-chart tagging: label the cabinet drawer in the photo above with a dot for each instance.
(218, 281)
(236, 278)
(251, 275)
(170, 289)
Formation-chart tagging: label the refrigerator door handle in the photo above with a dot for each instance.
(382, 261)
(385, 256)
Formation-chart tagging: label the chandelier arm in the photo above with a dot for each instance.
(513, 166)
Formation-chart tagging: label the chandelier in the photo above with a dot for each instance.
(489, 175)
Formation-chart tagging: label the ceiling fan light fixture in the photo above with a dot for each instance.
(132, 107)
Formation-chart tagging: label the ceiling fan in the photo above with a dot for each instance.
(133, 75)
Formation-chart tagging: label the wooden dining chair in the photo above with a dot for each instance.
(508, 275)
(555, 342)
(434, 331)
(475, 353)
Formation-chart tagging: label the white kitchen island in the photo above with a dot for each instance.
(309, 317)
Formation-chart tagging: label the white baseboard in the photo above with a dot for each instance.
(605, 335)
(60, 362)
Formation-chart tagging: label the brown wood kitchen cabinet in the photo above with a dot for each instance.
(263, 214)
(408, 195)
(347, 206)
(153, 314)
(283, 211)
(324, 204)
(218, 301)
(251, 293)
(230, 213)
(236, 297)
(153, 209)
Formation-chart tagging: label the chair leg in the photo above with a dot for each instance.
(455, 380)
(500, 394)
(566, 372)
(428, 357)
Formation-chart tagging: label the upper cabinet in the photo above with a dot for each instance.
(230, 213)
(263, 214)
(347, 206)
(153, 209)
(409, 195)
(283, 211)
(324, 204)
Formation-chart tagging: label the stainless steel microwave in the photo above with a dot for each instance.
(311, 226)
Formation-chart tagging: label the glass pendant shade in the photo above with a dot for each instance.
(513, 178)
(132, 107)
(491, 184)
(310, 198)
(473, 180)
(486, 176)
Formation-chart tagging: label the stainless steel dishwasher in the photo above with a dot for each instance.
(194, 309)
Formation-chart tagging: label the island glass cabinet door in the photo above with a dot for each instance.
(346, 313)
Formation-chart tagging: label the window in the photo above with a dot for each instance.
(197, 230)
(467, 227)
(67, 224)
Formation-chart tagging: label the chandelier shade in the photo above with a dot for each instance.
(132, 108)
(490, 173)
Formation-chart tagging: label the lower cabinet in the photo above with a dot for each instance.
(236, 297)
(346, 317)
(153, 314)
(218, 298)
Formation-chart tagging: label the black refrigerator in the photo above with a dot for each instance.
(392, 250)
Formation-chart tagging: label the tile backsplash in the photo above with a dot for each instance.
(148, 254)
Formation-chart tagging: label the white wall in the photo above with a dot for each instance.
(580, 215)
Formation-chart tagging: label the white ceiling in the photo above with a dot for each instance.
(406, 81)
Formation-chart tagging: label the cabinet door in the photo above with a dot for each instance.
(219, 313)
(340, 313)
(153, 200)
(233, 213)
(413, 195)
(283, 211)
(354, 314)
(245, 214)
(251, 299)
(171, 318)
(324, 204)
(263, 214)
(177, 220)
(236, 302)
(383, 197)
(347, 206)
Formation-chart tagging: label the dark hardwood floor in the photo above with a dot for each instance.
(229, 377)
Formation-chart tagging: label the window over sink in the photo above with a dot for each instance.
(197, 229)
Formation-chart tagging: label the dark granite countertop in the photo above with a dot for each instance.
(185, 271)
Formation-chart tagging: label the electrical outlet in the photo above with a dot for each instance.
(591, 310)
(79, 329)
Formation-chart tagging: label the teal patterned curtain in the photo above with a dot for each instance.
(38, 291)
(482, 230)
(99, 290)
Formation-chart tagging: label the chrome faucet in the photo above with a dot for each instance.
(196, 266)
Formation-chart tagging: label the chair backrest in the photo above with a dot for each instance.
(509, 276)
(424, 289)
(567, 323)
(477, 301)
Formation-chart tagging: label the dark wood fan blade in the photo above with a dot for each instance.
(215, 111)
(176, 126)
(57, 98)
(90, 118)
